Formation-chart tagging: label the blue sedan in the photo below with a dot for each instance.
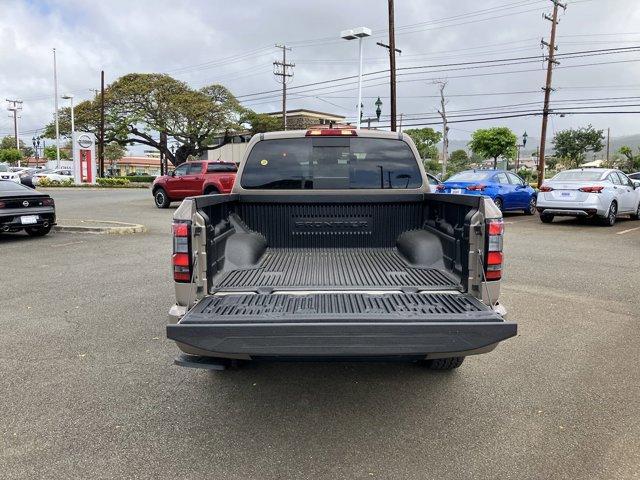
(506, 189)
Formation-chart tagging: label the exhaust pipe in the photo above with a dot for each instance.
(45, 224)
(5, 228)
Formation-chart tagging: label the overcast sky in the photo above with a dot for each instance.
(233, 43)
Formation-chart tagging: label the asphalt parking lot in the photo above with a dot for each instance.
(89, 389)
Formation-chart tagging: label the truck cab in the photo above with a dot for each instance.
(194, 178)
(332, 245)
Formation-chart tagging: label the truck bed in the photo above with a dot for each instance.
(334, 269)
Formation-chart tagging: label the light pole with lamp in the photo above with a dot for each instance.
(352, 34)
(378, 104)
(524, 144)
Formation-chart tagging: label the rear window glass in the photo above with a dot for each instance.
(331, 163)
(468, 176)
(578, 175)
(9, 186)
(222, 167)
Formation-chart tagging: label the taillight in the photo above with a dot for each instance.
(545, 188)
(476, 188)
(592, 189)
(48, 202)
(440, 188)
(494, 257)
(2, 204)
(181, 259)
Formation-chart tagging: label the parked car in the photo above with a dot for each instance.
(22, 208)
(508, 191)
(332, 246)
(194, 178)
(26, 175)
(592, 192)
(434, 182)
(55, 175)
(7, 174)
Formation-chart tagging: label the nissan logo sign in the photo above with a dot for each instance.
(84, 141)
(25, 204)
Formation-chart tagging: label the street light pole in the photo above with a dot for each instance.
(55, 105)
(360, 33)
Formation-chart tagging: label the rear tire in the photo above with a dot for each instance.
(38, 231)
(546, 218)
(532, 207)
(444, 363)
(610, 219)
(161, 199)
(211, 191)
(636, 216)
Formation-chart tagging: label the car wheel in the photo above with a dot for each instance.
(498, 202)
(161, 198)
(546, 218)
(532, 207)
(636, 216)
(211, 191)
(610, 219)
(38, 231)
(444, 363)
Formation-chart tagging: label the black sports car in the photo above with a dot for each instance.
(22, 208)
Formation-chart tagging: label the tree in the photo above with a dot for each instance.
(9, 142)
(261, 122)
(10, 155)
(425, 140)
(459, 160)
(493, 143)
(50, 153)
(632, 162)
(572, 145)
(139, 106)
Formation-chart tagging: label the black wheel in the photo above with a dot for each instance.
(546, 218)
(38, 231)
(444, 363)
(636, 216)
(211, 191)
(498, 202)
(532, 207)
(610, 219)
(161, 198)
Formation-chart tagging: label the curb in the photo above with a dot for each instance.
(120, 228)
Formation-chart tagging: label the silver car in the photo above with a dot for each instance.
(593, 192)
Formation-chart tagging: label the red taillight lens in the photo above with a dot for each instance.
(476, 188)
(545, 188)
(2, 204)
(493, 264)
(48, 202)
(592, 189)
(440, 188)
(336, 132)
(181, 258)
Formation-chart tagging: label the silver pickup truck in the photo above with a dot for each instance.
(332, 246)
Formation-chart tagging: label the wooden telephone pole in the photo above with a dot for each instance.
(281, 69)
(547, 88)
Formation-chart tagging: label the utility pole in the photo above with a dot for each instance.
(392, 64)
(15, 106)
(55, 106)
(445, 128)
(547, 88)
(101, 144)
(608, 143)
(283, 70)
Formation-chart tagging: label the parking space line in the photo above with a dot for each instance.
(67, 244)
(627, 231)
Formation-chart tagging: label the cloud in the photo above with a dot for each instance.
(233, 43)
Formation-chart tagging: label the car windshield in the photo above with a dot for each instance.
(588, 175)
(8, 186)
(3, 168)
(330, 163)
(469, 176)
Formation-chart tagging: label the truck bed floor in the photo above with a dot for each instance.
(330, 269)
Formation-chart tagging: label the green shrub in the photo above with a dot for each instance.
(139, 178)
(47, 182)
(109, 182)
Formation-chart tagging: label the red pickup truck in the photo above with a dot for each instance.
(191, 179)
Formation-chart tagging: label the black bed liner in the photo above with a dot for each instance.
(335, 268)
(331, 307)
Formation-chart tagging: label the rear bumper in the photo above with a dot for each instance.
(10, 219)
(588, 208)
(338, 340)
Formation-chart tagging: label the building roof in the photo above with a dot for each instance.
(301, 112)
(139, 161)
